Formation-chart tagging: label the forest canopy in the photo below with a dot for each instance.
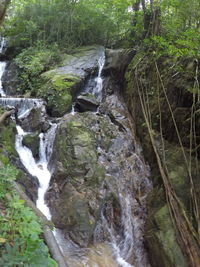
(124, 23)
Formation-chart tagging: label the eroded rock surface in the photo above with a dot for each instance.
(97, 176)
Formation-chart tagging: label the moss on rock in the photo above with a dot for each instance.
(162, 241)
(58, 90)
(7, 139)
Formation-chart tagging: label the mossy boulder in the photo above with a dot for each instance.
(60, 86)
(76, 180)
(59, 90)
(32, 142)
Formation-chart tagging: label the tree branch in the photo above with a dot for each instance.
(5, 115)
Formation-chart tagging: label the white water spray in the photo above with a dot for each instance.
(97, 91)
(2, 67)
(38, 169)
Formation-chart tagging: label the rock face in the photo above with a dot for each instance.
(162, 236)
(95, 164)
(117, 62)
(10, 79)
(35, 121)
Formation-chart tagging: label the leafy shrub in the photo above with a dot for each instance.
(32, 62)
(20, 242)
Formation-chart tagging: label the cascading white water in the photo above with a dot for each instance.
(3, 44)
(94, 85)
(2, 67)
(128, 243)
(99, 80)
(38, 169)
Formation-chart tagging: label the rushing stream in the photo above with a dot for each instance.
(122, 245)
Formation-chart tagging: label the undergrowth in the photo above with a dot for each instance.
(20, 230)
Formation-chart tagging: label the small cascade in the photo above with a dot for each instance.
(38, 169)
(23, 106)
(2, 45)
(2, 66)
(95, 85)
(97, 91)
(2, 69)
(127, 243)
(73, 109)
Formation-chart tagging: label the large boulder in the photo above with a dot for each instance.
(78, 175)
(86, 102)
(61, 85)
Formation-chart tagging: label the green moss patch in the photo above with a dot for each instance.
(58, 90)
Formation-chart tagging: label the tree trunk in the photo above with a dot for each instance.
(3, 6)
(156, 22)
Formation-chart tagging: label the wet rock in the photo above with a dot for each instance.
(32, 142)
(30, 185)
(94, 166)
(10, 79)
(35, 120)
(86, 103)
(75, 180)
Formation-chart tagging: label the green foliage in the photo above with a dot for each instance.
(7, 138)
(20, 242)
(32, 62)
(186, 46)
(65, 22)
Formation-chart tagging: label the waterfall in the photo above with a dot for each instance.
(95, 84)
(2, 66)
(2, 69)
(129, 241)
(2, 45)
(38, 169)
(97, 91)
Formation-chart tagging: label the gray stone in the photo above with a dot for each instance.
(10, 79)
(86, 103)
